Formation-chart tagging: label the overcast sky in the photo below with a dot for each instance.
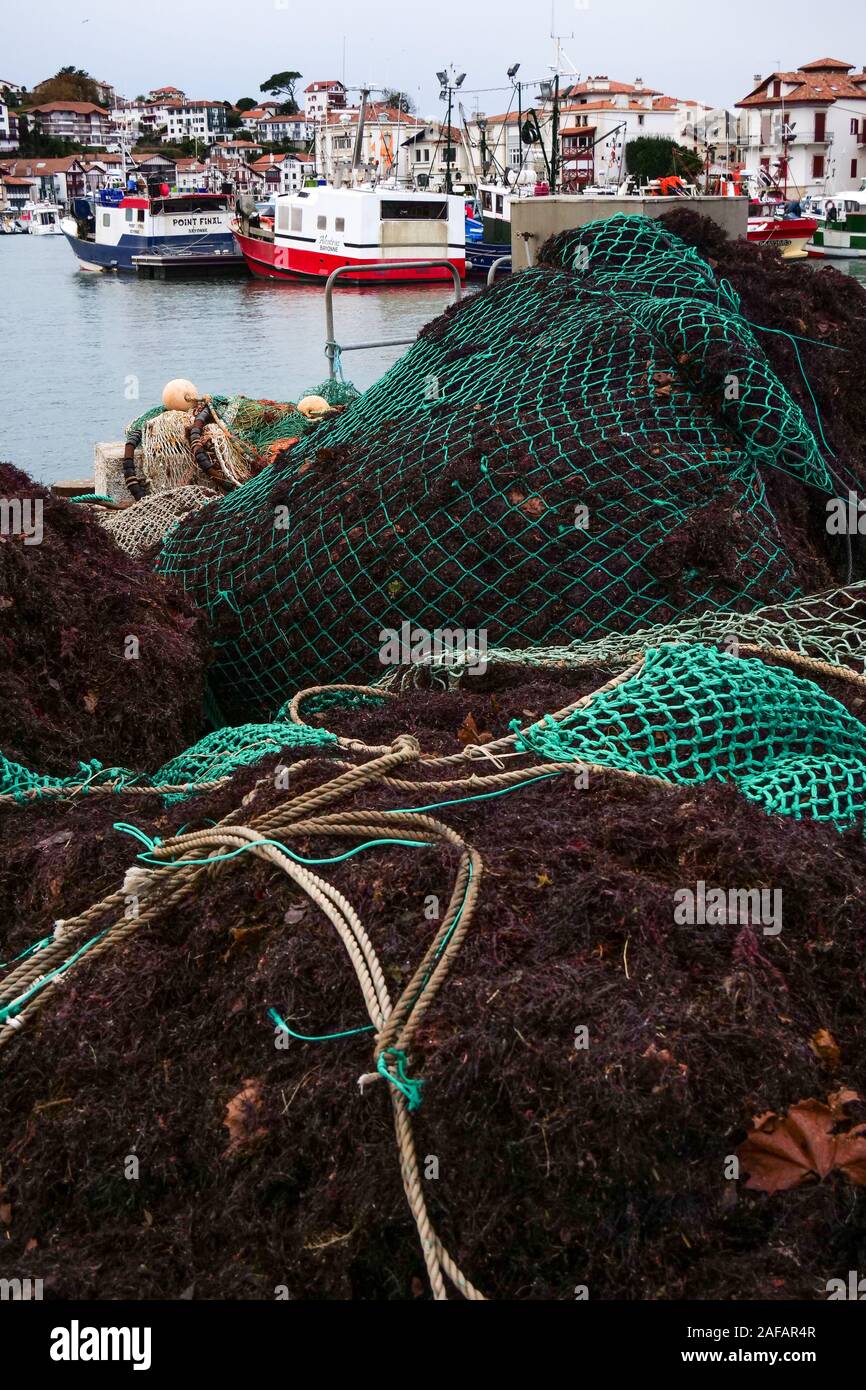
(226, 48)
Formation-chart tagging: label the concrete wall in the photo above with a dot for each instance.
(533, 220)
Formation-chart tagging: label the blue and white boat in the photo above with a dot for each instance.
(141, 233)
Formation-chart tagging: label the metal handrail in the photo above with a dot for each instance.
(332, 347)
(491, 274)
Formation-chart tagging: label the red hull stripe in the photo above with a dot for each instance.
(291, 263)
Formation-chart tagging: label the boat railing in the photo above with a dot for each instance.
(333, 349)
(498, 264)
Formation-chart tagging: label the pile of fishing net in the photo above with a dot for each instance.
(487, 891)
(582, 449)
(183, 1113)
(239, 437)
(99, 657)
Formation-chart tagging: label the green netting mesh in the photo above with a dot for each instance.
(451, 493)
(217, 755)
(693, 714)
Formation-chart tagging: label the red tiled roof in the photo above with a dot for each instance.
(82, 108)
(326, 84)
(615, 88)
(818, 83)
(36, 166)
(825, 65)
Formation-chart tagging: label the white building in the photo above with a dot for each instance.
(281, 173)
(274, 127)
(196, 120)
(597, 118)
(394, 145)
(320, 98)
(807, 128)
(8, 129)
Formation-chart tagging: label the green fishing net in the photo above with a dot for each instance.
(578, 451)
(693, 714)
(218, 755)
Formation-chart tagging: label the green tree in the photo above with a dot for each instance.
(657, 156)
(246, 104)
(69, 84)
(399, 101)
(283, 84)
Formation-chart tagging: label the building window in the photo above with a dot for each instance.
(855, 125)
(817, 166)
(640, 120)
(853, 168)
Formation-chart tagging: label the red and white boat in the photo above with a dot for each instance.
(788, 235)
(316, 230)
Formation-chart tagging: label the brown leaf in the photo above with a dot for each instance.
(6, 1213)
(825, 1046)
(534, 507)
(470, 733)
(91, 700)
(781, 1152)
(242, 1115)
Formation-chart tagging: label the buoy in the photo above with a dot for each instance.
(180, 394)
(311, 406)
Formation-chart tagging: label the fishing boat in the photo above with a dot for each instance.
(142, 233)
(772, 225)
(41, 219)
(316, 230)
(842, 236)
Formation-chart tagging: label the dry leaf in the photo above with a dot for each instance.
(91, 700)
(242, 1115)
(469, 732)
(825, 1046)
(534, 506)
(783, 1151)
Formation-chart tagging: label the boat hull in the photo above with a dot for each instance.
(270, 261)
(789, 236)
(120, 257)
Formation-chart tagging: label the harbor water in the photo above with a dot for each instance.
(87, 352)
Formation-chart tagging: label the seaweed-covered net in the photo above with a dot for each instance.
(575, 452)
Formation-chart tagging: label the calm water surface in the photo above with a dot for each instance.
(79, 345)
(75, 339)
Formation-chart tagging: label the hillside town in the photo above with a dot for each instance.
(804, 127)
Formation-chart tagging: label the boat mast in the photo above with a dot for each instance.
(359, 134)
